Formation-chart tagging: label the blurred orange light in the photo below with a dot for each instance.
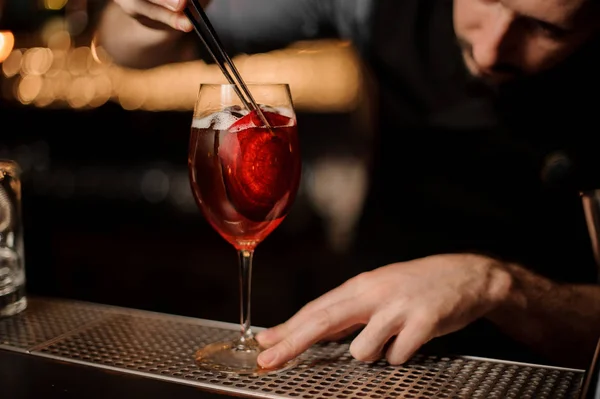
(7, 42)
(54, 4)
(324, 76)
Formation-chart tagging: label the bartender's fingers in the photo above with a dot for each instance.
(272, 336)
(416, 333)
(173, 5)
(142, 9)
(312, 329)
(369, 344)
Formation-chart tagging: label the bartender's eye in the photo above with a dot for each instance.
(548, 30)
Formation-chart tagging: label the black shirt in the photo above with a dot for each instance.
(492, 171)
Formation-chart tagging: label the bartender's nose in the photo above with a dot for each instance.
(491, 43)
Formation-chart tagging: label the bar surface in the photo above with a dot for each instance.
(162, 346)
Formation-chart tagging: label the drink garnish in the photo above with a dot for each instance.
(257, 163)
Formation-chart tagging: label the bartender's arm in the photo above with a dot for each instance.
(561, 321)
(148, 33)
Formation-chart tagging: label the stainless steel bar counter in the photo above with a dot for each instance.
(157, 346)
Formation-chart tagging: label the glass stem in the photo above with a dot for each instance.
(245, 260)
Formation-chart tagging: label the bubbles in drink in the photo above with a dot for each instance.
(220, 120)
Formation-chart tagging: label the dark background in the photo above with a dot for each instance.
(91, 234)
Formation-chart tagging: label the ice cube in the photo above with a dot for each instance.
(268, 108)
(218, 121)
(285, 111)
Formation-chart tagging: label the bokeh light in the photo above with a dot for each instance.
(55, 4)
(12, 65)
(7, 42)
(324, 76)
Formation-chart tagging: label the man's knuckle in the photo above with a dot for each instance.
(388, 319)
(362, 278)
(425, 318)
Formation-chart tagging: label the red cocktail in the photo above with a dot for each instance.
(244, 176)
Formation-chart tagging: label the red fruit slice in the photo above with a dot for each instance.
(253, 120)
(258, 164)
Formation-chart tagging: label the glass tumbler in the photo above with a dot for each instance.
(12, 268)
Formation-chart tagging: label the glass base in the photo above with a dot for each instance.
(235, 357)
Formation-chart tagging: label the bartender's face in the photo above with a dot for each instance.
(504, 39)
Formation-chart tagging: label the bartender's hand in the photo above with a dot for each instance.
(159, 13)
(409, 303)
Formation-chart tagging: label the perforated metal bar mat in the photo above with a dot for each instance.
(162, 346)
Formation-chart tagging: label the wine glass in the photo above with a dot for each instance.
(244, 177)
